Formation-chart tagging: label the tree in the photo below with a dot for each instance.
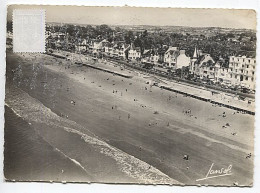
(129, 37)
(138, 43)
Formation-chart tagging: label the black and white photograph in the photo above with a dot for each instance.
(130, 95)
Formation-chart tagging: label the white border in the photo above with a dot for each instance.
(76, 188)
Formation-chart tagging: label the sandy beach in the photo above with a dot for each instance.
(154, 127)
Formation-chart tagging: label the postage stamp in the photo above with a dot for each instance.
(130, 95)
(28, 30)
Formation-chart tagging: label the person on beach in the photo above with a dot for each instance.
(73, 102)
(186, 157)
(248, 156)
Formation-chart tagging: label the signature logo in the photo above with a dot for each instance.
(214, 173)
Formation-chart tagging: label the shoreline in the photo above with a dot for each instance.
(114, 165)
(146, 134)
(37, 166)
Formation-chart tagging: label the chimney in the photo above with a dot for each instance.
(182, 51)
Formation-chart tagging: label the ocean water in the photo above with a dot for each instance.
(27, 157)
(35, 113)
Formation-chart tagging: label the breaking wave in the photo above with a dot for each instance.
(32, 110)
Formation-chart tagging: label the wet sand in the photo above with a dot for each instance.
(28, 157)
(148, 123)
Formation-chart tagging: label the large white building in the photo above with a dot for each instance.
(242, 71)
(182, 60)
(175, 58)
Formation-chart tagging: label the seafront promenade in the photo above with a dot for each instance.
(228, 100)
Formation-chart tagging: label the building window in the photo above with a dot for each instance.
(246, 77)
(235, 76)
(253, 72)
(247, 66)
(252, 79)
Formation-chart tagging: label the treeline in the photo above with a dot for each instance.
(220, 45)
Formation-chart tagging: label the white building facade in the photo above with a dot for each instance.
(134, 53)
(242, 71)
